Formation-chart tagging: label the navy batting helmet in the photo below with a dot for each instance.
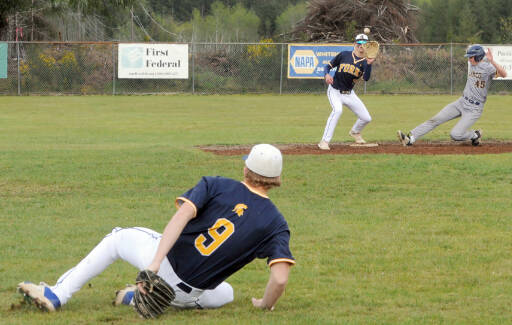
(475, 51)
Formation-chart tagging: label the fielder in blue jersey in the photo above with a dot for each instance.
(221, 225)
(350, 66)
(469, 107)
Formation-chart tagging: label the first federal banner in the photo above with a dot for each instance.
(307, 61)
(153, 61)
(3, 60)
(503, 56)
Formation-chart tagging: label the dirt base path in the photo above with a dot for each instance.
(419, 148)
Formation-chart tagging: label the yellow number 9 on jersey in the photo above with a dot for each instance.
(218, 238)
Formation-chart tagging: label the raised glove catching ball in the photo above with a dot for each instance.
(371, 49)
(157, 298)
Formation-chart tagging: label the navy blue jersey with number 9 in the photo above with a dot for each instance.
(234, 224)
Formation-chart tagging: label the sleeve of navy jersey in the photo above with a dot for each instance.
(277, 248)
(367, 68)
(333, 64)
(198, 195)
(233, 226)
(491, 70)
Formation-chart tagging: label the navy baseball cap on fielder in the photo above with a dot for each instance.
(361, 38)
(265, 160)
(476, 51)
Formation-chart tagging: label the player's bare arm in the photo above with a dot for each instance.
(328, 79)
(171, 233)
(499, 69)
(277, 281)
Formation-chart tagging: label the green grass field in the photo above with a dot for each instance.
(381, 239)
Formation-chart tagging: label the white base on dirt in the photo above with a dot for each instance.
(364, 145)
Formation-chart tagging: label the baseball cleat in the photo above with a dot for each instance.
(125, 296)
(324, 145)
(476, 141)
(41, 295)
(404, 139)
(357, 136)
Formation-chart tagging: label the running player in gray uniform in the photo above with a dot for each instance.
(469, 107)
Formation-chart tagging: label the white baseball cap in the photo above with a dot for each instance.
(361, 38)
(265, 160)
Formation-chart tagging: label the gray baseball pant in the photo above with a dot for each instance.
(468, 114)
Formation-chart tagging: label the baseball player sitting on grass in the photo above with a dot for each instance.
(220, 226)
(350, 66)
(469, 106)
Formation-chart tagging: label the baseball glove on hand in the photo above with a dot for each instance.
(157, 298)
(371, 49)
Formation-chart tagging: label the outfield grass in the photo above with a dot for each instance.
(378, 238)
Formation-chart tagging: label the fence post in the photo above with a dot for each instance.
(193, 68)
(113, 69)
(281, 76)
(451, 68)
(18, 62)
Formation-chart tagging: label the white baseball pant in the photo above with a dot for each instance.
(137, 246)
(337, 100)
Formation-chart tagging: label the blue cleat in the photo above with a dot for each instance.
(125, 296)
(41, 295)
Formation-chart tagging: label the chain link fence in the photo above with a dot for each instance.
(43, 68)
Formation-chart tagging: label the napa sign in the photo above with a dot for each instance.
(153, 61)
(307, 61)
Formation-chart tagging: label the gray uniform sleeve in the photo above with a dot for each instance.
(490, 70)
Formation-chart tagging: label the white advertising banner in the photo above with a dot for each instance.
(503, 56)
(152, 61)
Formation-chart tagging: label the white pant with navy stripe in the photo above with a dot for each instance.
(137, 246)
(337, 100)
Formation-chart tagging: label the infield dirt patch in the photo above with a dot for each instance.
(419, 148)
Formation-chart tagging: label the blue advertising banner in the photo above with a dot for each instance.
(3, 60)
(307, 61)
